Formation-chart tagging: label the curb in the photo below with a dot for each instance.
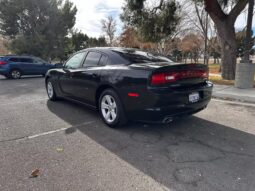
(233, 98)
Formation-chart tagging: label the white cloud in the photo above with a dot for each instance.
(91, 12)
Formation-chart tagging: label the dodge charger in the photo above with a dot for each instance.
(129, 84)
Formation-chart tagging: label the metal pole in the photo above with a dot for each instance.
(206, 41)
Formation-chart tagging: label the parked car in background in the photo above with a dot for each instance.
(128, 84)
(59, 65)
(14, 67)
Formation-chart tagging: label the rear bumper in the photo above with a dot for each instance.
(169, 113)
(165, 107)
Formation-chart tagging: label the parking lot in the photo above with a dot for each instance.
(74, 150)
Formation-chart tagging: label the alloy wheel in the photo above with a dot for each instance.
(50, 90)
(109, 108)
(15, 74)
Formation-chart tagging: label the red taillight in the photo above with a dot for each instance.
(133, 94)
(158, 79)
(169, 77)
(3, 62)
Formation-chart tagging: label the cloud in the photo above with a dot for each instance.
(91, 12)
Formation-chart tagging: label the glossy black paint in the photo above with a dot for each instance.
(154, 104)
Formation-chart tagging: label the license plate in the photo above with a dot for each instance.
(194, 97)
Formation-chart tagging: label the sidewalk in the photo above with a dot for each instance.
(232, 93)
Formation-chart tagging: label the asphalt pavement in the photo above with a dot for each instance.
(74, 150)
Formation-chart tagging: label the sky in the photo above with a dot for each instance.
(91, 12)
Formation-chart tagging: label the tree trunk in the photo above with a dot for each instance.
(226, 33)
(227, 39)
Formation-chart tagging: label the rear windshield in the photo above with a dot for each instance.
(135, 56)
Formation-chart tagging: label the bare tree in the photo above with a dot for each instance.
(191, 45)
(109, 28)
(199, 22)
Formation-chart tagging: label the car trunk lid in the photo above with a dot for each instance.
(167, 74)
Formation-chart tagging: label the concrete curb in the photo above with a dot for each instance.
(232, 93)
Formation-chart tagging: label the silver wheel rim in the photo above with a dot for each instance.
(16, 74)
(109, 108)
(50, 89)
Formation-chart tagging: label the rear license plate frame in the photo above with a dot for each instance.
(194, 97)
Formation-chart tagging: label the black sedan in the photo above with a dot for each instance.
(128, 84)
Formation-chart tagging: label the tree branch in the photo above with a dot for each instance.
(158, 7)
(239, 7)
(200, 19)
(214, 9)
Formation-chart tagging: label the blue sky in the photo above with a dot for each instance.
(91, 12)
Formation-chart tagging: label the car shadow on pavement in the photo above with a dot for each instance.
(188, 154)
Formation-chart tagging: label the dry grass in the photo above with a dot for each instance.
(214, 68)
(218, 80)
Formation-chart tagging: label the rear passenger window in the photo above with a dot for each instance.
(14, 59)
(92, 59)
(103, 60)
(27, 60)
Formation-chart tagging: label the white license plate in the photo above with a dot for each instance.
(194, 97)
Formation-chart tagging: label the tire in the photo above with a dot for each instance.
(15, 74)
(111, 109)
(51, 91)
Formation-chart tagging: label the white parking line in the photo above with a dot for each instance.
(58, 130)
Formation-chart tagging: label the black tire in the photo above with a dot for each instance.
(51, 93)
(15, 74)
(120, 119)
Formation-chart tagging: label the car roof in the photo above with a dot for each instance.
(17, 56)
(23, 56)
(112, 52)
(110, 49)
